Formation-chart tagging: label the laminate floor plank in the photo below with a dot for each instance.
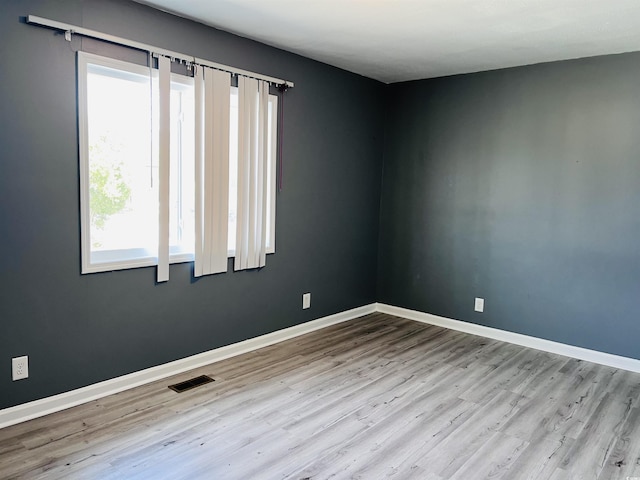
(316, 450)
(397, 448)
(580, 398)
(492, 460)
(541, 458)
(520, 369)
(379, 397)
(472, 434)
(588, 456)
(624, 459)
(533, 418)
(493, 354)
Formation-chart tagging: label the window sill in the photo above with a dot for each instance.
(111, 266)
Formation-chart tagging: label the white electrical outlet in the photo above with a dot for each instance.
(306, 301)
(20, 367)
(479, 305)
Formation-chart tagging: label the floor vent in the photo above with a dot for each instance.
(192, 383)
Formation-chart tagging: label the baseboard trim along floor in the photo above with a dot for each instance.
(55, 403)
(38, 408)
(594, 356)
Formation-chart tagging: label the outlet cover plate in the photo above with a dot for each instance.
(479, 305)
(20, 367)
(306, 301)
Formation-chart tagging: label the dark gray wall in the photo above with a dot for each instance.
(521, 186)
(80, 329)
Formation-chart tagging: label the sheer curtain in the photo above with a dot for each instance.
(253, 110)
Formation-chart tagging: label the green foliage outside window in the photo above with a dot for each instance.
(108, 189)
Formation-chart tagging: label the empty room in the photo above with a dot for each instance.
(320, 239)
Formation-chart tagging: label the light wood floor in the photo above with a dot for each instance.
(374, 398)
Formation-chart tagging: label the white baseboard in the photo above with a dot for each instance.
(55, 403)
(38, 408)
(624, 363)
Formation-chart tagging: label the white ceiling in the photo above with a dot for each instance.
(398, 40)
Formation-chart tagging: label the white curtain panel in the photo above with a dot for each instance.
(212, 97)
(253, 109)
(164, 71)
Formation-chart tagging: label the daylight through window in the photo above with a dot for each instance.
(118, 105)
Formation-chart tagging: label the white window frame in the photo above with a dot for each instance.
(112, 259)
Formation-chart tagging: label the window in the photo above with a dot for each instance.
(118, 105)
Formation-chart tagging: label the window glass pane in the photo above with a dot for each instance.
(122, 192)
(182, 189)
